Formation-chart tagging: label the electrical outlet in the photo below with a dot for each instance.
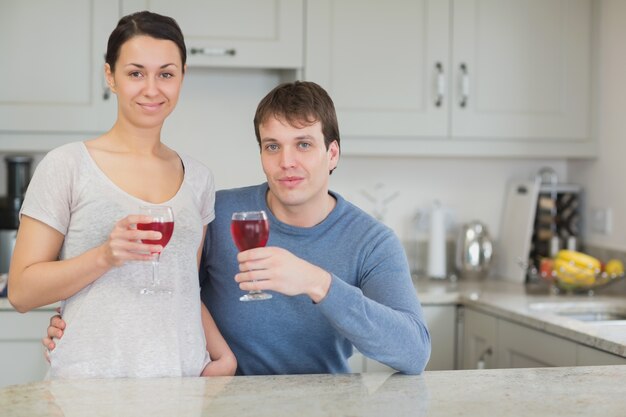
(601, 221)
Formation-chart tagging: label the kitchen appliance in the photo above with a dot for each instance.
(557, 219)
(474, 250)
(18, 177)
(516, 230)
(540, 217)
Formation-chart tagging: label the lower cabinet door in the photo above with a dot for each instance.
(478, 350)
(21, 353)
(523, 347)
(586, 356)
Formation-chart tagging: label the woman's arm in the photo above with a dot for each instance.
(38, 278)
(223, 361)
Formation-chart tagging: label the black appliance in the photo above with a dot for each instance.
(18, 177)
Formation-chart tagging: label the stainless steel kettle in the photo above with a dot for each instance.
(474, 250)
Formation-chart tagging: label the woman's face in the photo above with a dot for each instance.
(147, 80)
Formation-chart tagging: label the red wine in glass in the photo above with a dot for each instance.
(163, 221)
(250, 229)
(166, 229)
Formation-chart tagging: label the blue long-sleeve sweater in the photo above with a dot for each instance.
(371, 304)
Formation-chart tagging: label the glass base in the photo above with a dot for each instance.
(255, 296)
(155, 290)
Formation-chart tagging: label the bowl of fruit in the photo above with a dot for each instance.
(576, 272)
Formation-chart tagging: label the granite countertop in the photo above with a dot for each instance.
(6, 306)
(578, 391)
(512, 301)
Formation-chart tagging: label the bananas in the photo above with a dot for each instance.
(576, 268)
(579, 259)
(572, 274)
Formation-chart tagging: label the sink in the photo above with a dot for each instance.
(585, 311)
(593, 315)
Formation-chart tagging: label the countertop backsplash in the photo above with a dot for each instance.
(417, 255)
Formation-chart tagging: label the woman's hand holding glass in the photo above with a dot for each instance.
(134, 238)
(124, 242)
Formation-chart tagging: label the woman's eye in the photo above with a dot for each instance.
(135, 74)
(167, 75)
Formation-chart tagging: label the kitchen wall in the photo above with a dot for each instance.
(601, 178)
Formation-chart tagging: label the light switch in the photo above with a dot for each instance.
(601, 221)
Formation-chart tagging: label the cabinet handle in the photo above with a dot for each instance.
(482, 359)
(441, 84)
(464, 85)
(214, 51)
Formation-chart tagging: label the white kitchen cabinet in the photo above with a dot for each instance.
(522, 347)
(586, 356)
(479, 340)
(52, 68)
(492, 342)
(455, 77)
(378, 61)
(21, 353)
(441, 322)
(236, 33)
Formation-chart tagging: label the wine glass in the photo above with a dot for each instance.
(250, 229)
(162, 221)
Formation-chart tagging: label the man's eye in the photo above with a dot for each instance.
(271, 147)
(304, 145)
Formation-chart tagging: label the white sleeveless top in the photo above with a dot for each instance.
(113, 330)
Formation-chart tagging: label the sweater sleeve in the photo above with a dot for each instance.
(382, 316)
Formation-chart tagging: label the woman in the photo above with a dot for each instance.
(66, 250)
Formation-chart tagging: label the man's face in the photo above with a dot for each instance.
(297, 165)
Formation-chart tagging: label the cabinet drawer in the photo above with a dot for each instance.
(235, 34)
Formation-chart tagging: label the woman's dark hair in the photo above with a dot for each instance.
(144, 23)
(300, 103)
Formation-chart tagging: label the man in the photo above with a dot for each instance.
(338, 277)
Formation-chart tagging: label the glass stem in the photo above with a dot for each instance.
(155, 269)
(254, 291)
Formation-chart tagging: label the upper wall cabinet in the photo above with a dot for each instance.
(52, 67)
(236, 33)
(455, 77)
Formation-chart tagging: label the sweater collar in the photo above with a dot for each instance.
(321, 227)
